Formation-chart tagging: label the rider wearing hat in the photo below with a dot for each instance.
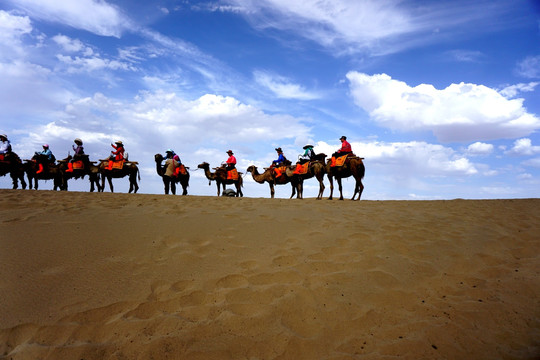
(117, 154)
(281, 158)
(345, 147)
(308, 155)
(231, 161)
(46, 153)
(79, 152)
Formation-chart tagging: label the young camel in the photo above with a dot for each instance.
(220, 176)
(267, 176)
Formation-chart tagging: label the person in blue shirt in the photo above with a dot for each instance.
(44, 157)
(46, 153)
(281, 158)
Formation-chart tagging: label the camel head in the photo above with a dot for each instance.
(204, 165)
(158, 158)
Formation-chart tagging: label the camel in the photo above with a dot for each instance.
(10, 163)
(89, 169)
(267, 176)
(220, 176)
(129, 169)
(317, 169)
(171, 181)
(51, 171)
(354, 166)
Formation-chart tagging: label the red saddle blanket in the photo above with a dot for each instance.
(116, 164)
(232, 174)
(180, 170)
(301, 169)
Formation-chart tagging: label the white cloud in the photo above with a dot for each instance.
(96, 16)
(523, 147)
(480, 148)
(409, 159)
(282, 87)
(465, 55)
(529, 67)
(12, 30)
(377, 26)
(513, 90)
(72, 45)
(460, 112)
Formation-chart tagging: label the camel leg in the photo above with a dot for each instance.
(184, 187)
(109, 179)
(133, 186)
(331, 181)
(338, 179)
(359, 188)
(321, 190)
(218, 185)
(238, 186)
(272, 190)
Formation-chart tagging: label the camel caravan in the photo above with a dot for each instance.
(44, 166)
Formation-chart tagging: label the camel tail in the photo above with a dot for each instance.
(362, 171)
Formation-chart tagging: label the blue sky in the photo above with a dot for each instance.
(441, 98)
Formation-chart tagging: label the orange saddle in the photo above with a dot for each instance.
(338, 161)
(301, 169)
(232, 174)
(78, 164)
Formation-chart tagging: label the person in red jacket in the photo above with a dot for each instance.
(344, 150)
(231, 161)
(117, 153)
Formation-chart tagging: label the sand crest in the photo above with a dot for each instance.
(124, 276)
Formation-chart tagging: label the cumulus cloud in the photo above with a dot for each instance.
(96, 16)
(523, 147)
(460, 112)
(283, 87)
(480, 148)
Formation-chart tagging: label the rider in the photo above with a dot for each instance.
(5, 145)
(279, 162)
(170, 154)
(308, 155)
(46, 153)
(117, 154)
(231, 161)
(78, 155)
(281, 158)
(344, 150)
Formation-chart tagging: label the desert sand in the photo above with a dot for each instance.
(134, 276)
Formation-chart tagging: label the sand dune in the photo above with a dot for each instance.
(123, 276)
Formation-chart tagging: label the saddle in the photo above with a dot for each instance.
(338, 161)
(180, 170)
(232, 174)
(279, 171)
(301, 169)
